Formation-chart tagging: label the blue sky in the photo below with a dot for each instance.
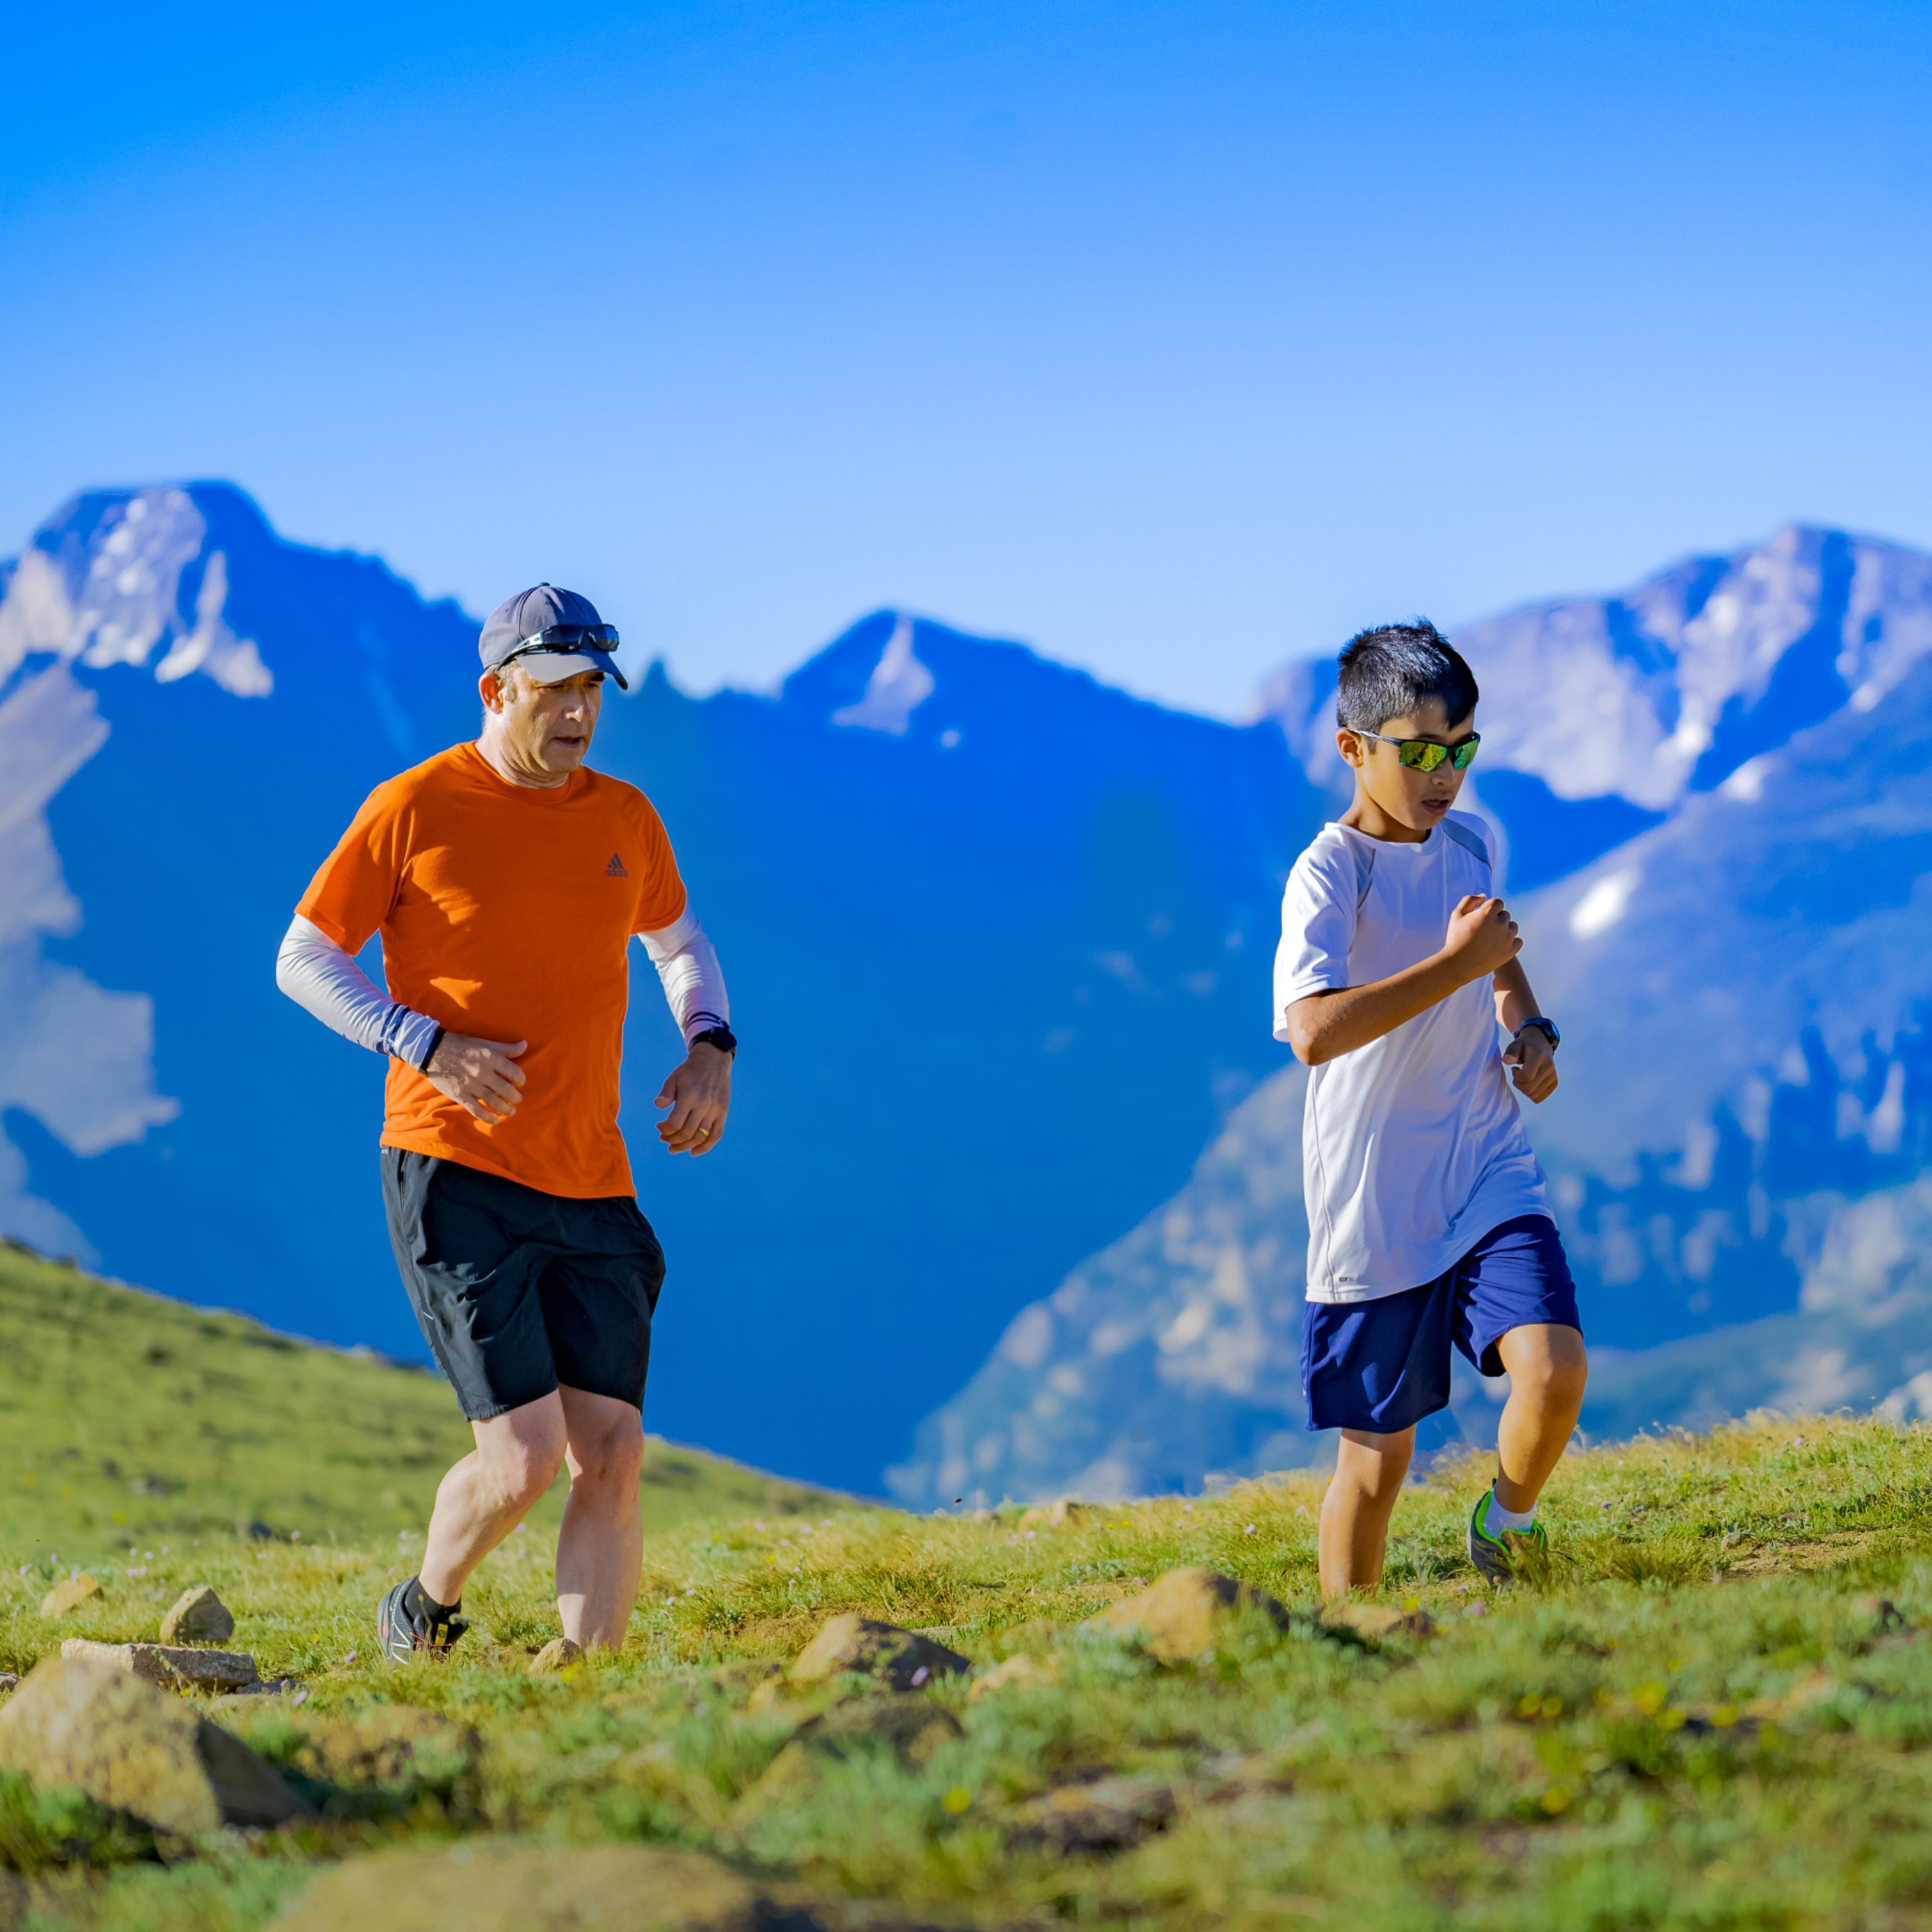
(1175, 339)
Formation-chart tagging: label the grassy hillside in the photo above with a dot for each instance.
(127, 1419)
(1715, 1711)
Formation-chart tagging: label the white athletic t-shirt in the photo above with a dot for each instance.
(1412, 1147)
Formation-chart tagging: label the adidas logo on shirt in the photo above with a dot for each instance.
(615, 870)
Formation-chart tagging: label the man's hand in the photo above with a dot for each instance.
(480, 1074)
(1481, 937)
(1531, 1061)
(699, 1096)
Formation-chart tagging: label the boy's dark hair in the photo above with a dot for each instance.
(1391, 670)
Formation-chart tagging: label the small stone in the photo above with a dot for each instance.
(864, 1646)
(397, 1746)
(170, 1665)
(560, 1655)
(910, 1727)
(198, 1616)
(1377, 1621)
(1055, 1515)
(86, 1722)
(501, 1884)
(1107, 1815)
(1179, 1616)
(8, 1681)
(1022, 1670)
(67, 1595)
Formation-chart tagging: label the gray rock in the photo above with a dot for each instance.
(1179, 1616)
(171, 1666)
(501, 1885)
(862, 1645)
(911, 1728)
(198, 1616)
(1106, 1815)
(87, 1722)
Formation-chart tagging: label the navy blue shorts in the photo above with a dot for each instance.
(1382, 1366)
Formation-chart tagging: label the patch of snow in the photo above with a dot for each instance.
(898, 685)
(78, 1057)
(1604, 905)
(121, 601)
(1746, 784)
(1028, 1337)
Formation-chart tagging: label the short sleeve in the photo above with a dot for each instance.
(1318, 926)
(352, 893)
(661, 893)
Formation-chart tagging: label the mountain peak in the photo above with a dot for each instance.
(129, 577)
(1633, 702)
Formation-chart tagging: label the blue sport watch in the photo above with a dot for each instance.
(1543, 1026)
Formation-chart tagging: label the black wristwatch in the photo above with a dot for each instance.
(1543, 1026)
(721, 1037)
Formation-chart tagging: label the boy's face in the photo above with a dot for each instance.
(1416, 800)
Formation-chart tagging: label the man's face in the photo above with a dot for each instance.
(1416, 799)
(545, 728)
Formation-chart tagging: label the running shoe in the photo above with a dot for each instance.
(402, 1637)
(1496, 1557)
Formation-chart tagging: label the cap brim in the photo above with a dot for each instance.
(554, 666)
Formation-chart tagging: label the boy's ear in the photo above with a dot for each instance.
(1350, 746)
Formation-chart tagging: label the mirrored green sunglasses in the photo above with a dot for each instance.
(1425, 754)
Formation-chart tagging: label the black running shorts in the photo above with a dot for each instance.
(518, 1291)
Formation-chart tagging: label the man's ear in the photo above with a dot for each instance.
(490, 688)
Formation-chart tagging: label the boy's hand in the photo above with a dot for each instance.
(1531, 1061)
(1482, 936)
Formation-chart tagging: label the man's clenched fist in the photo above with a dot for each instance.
(480, 1074)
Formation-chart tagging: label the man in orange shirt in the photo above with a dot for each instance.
(506, 879)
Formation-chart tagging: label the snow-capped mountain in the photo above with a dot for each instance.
(1745, 991)
(1601, 714)
(973, 906)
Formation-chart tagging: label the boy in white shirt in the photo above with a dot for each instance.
(1428, 1214)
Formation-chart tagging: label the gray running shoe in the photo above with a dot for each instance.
(1496, 1557)
(401, 1637)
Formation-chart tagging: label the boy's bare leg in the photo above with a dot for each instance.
(1547, 1371)
(601, 1550)
(1368, 1470)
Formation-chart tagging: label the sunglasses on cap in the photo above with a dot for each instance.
(569, 637)
(1425, 754)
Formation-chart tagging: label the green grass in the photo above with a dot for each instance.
(1715, 1711)
(128, 1419)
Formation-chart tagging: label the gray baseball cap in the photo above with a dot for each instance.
(555, 633)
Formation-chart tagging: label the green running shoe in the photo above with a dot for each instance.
(1495, 1557)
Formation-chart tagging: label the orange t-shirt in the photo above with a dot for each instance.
(505, 912)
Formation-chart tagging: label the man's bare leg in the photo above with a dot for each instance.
(490, 1491)
(1355, 1513)
(601, 1550)
(1548, 1370)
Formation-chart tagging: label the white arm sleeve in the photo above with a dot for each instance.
(689, 971)
(317, 974)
